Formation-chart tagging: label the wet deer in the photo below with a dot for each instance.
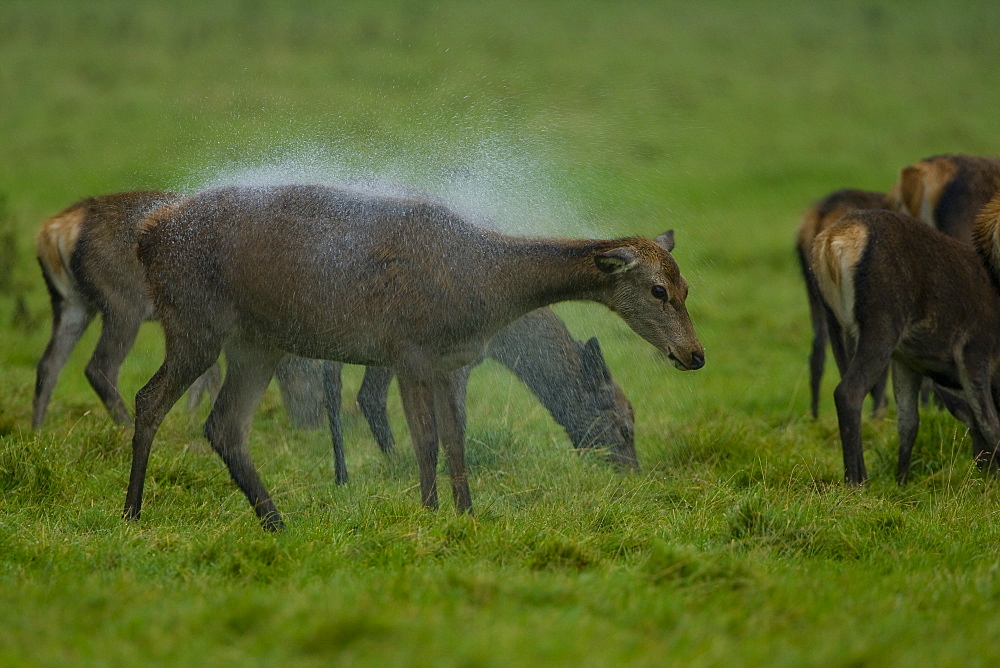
(397, 282)
(905, 293)
(88, 261)
(819, 217)
(87, 254)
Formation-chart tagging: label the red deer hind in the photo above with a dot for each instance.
(904, 292)
(398, 282)
(571, 379)
(820, 216)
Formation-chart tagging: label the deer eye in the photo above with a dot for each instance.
(659, 292)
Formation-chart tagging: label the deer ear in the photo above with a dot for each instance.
(616, 260)
(666, 240)
(592, 362)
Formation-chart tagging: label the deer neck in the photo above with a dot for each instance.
(540, 272)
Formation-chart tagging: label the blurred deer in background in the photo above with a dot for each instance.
(88, 260)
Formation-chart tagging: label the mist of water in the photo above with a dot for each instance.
(510, 181)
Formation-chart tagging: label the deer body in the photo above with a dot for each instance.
(821, 216)
(396, 282)
(906, 293)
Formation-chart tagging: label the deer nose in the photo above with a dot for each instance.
(697, 361)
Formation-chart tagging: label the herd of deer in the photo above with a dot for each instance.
(294, 281)
(910, 280)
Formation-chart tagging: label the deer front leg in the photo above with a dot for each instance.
(449, 407)
(906, 389)
(978, 392)
(418, 405)
(248, 373)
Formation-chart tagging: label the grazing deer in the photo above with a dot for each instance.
(947, 191)
(87, 255)
(903, 291)
(570, 378)
(398, 282)
(822, 215)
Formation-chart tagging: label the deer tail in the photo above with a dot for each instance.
(54, 245)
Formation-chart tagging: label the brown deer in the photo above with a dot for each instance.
(819, 217)
(571, 379)
(947, 191)
(398, 282)
(904, 292)
(87, 255)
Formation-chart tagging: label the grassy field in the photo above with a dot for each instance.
(735, 544)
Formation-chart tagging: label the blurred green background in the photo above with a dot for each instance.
(721, 119)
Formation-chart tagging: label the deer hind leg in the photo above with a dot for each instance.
(332, 393)
(449, 408)
(70, 318)
(817, 355)
(906, 389)
(118, 334)
(248, 373)
(868, 364)
(187, 357)
(844, 349)
(372, 401)
(418, 405)
(977, 388)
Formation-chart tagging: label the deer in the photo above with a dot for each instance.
(405, 283)
(89, 265)
(570, 378)
(904, 293)
(87, 256)
(88, 260)
(947, 191)
(819, 217)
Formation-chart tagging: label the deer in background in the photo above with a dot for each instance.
(88, 261)
(947, 191)
(905, 293)
(397, 282)
(819, 217)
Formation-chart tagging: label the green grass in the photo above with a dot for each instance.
(735, 544)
